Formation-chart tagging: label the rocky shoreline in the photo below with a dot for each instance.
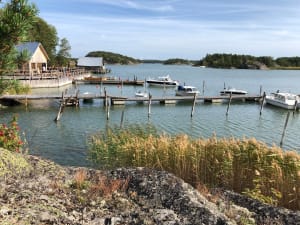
(37, 191)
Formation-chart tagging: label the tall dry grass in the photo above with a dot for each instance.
(242, 165)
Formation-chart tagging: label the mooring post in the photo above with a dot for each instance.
(262, 103)
(26, 101)
(107, 111)
(194, 103)
(284, 129)
(101, 86)
(61, 108)
(295, 107)
(230, 97)
(149, 105)
(105, 98)
(76, 98)
(203, 86)
(260, 90)
(122, 119)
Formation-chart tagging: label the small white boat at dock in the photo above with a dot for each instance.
(233, 91)
(283, 100)
(141, 94)
(186, 90)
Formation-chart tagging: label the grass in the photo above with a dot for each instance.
(244, 166)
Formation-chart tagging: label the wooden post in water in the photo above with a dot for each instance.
(149, 105)
(76, 98)
(122, 119)
(105, 98)
(61, 108)
(203, 86)
(194, 103)
(260, 90)
(26, 101)
(107, 111)
(230, 97)
(284, 129)
(262, 103)
(295, 107)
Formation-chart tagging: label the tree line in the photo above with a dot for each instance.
(113, 58)
(19, 22)
(247, 61)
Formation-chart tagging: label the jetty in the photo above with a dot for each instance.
(108, 81)
(74, 99)
(121, 100)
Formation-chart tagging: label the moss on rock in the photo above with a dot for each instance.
(12, 163)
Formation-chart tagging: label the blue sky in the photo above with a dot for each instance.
(163, 29)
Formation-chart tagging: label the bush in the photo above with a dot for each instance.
(10, 138)
(13, 87)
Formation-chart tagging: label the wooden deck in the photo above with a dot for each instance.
(123, 99)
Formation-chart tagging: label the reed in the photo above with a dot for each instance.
(242, 165)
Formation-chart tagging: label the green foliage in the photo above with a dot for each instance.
(16, 19)
(22, 58)
(235, 61)
(248, 62)
(10, 137)
(177, 61)
(245, 166)
(46, 34)
(113, 58)
(12, 163)
(63, 56)
(13, 87)
(288, 62)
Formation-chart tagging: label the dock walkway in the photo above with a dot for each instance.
(122, 99)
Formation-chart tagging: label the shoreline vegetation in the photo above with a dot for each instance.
(245, 166)
(217, 60)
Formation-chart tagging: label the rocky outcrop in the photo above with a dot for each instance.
(38, 191)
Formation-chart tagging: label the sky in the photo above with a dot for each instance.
(188, 29)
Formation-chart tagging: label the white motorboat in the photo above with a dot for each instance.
(185, 90)
(141, 94)
(284, 100)
(163, 81)
(233, 91)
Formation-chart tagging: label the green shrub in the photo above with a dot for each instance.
(10, 138)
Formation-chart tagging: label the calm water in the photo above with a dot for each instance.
(65, 142)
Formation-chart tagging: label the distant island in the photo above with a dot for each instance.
(114, 58)
(217, 60)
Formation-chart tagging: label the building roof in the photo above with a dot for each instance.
(31, 47)
(90, 61)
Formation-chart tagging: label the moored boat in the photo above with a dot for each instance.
(163, 81)
(141, 94)
(283, 100)
(233, 91)
(186, 90)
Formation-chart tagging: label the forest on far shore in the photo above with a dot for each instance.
(248, 62)
(226, 61)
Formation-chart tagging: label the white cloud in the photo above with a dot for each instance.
(191, 31)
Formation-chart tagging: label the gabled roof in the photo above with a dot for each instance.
(90, 61)
(31, 47)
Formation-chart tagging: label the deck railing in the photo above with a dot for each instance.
(49, 74)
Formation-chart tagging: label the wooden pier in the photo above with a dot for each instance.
(73, 100)
(117, 100)
(108, 81)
